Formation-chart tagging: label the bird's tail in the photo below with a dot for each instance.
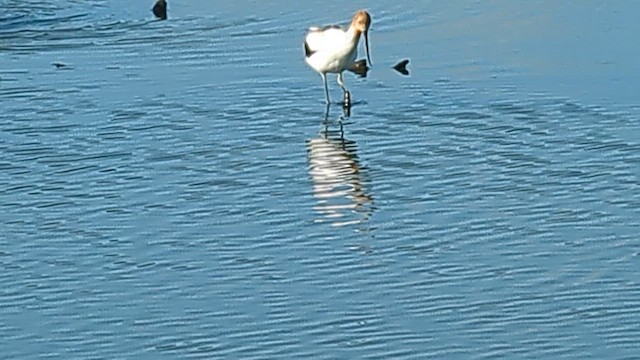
(359, 68)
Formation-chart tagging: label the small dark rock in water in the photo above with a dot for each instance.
(61, 65)
(160, 9)
(360, 68)
(401, 67)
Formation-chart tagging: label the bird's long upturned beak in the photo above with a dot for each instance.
(366, 45)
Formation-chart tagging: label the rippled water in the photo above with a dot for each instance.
(174, 189)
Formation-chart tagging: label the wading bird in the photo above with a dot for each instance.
(331, 49)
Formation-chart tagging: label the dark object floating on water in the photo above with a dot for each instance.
(160, 9)
(61, 65)
(360, 68)
(401, 67)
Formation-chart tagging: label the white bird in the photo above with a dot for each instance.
(331, 49)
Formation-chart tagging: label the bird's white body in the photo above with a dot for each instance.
(332, 49)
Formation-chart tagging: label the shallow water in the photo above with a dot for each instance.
(177, 189)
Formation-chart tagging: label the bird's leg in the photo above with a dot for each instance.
(326, 88)
(346, 94)
(341, 83)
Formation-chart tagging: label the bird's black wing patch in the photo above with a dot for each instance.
(323, 28)
(307, 51)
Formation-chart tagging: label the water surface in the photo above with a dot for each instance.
(178, 189)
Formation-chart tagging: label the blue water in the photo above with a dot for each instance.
(177, 189)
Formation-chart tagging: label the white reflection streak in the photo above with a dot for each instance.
(337, 179)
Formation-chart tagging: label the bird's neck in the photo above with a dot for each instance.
(353, 34)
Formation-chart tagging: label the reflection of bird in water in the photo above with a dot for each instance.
(337, 176)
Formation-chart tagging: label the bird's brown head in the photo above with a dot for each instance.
(361, 22)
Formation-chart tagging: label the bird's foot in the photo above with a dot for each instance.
(347, 99)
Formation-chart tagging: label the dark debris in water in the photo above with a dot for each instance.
(401, 67)
(62, 66)
(360, 68)
(160, 9)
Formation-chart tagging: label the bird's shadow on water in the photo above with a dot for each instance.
(340, 182)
